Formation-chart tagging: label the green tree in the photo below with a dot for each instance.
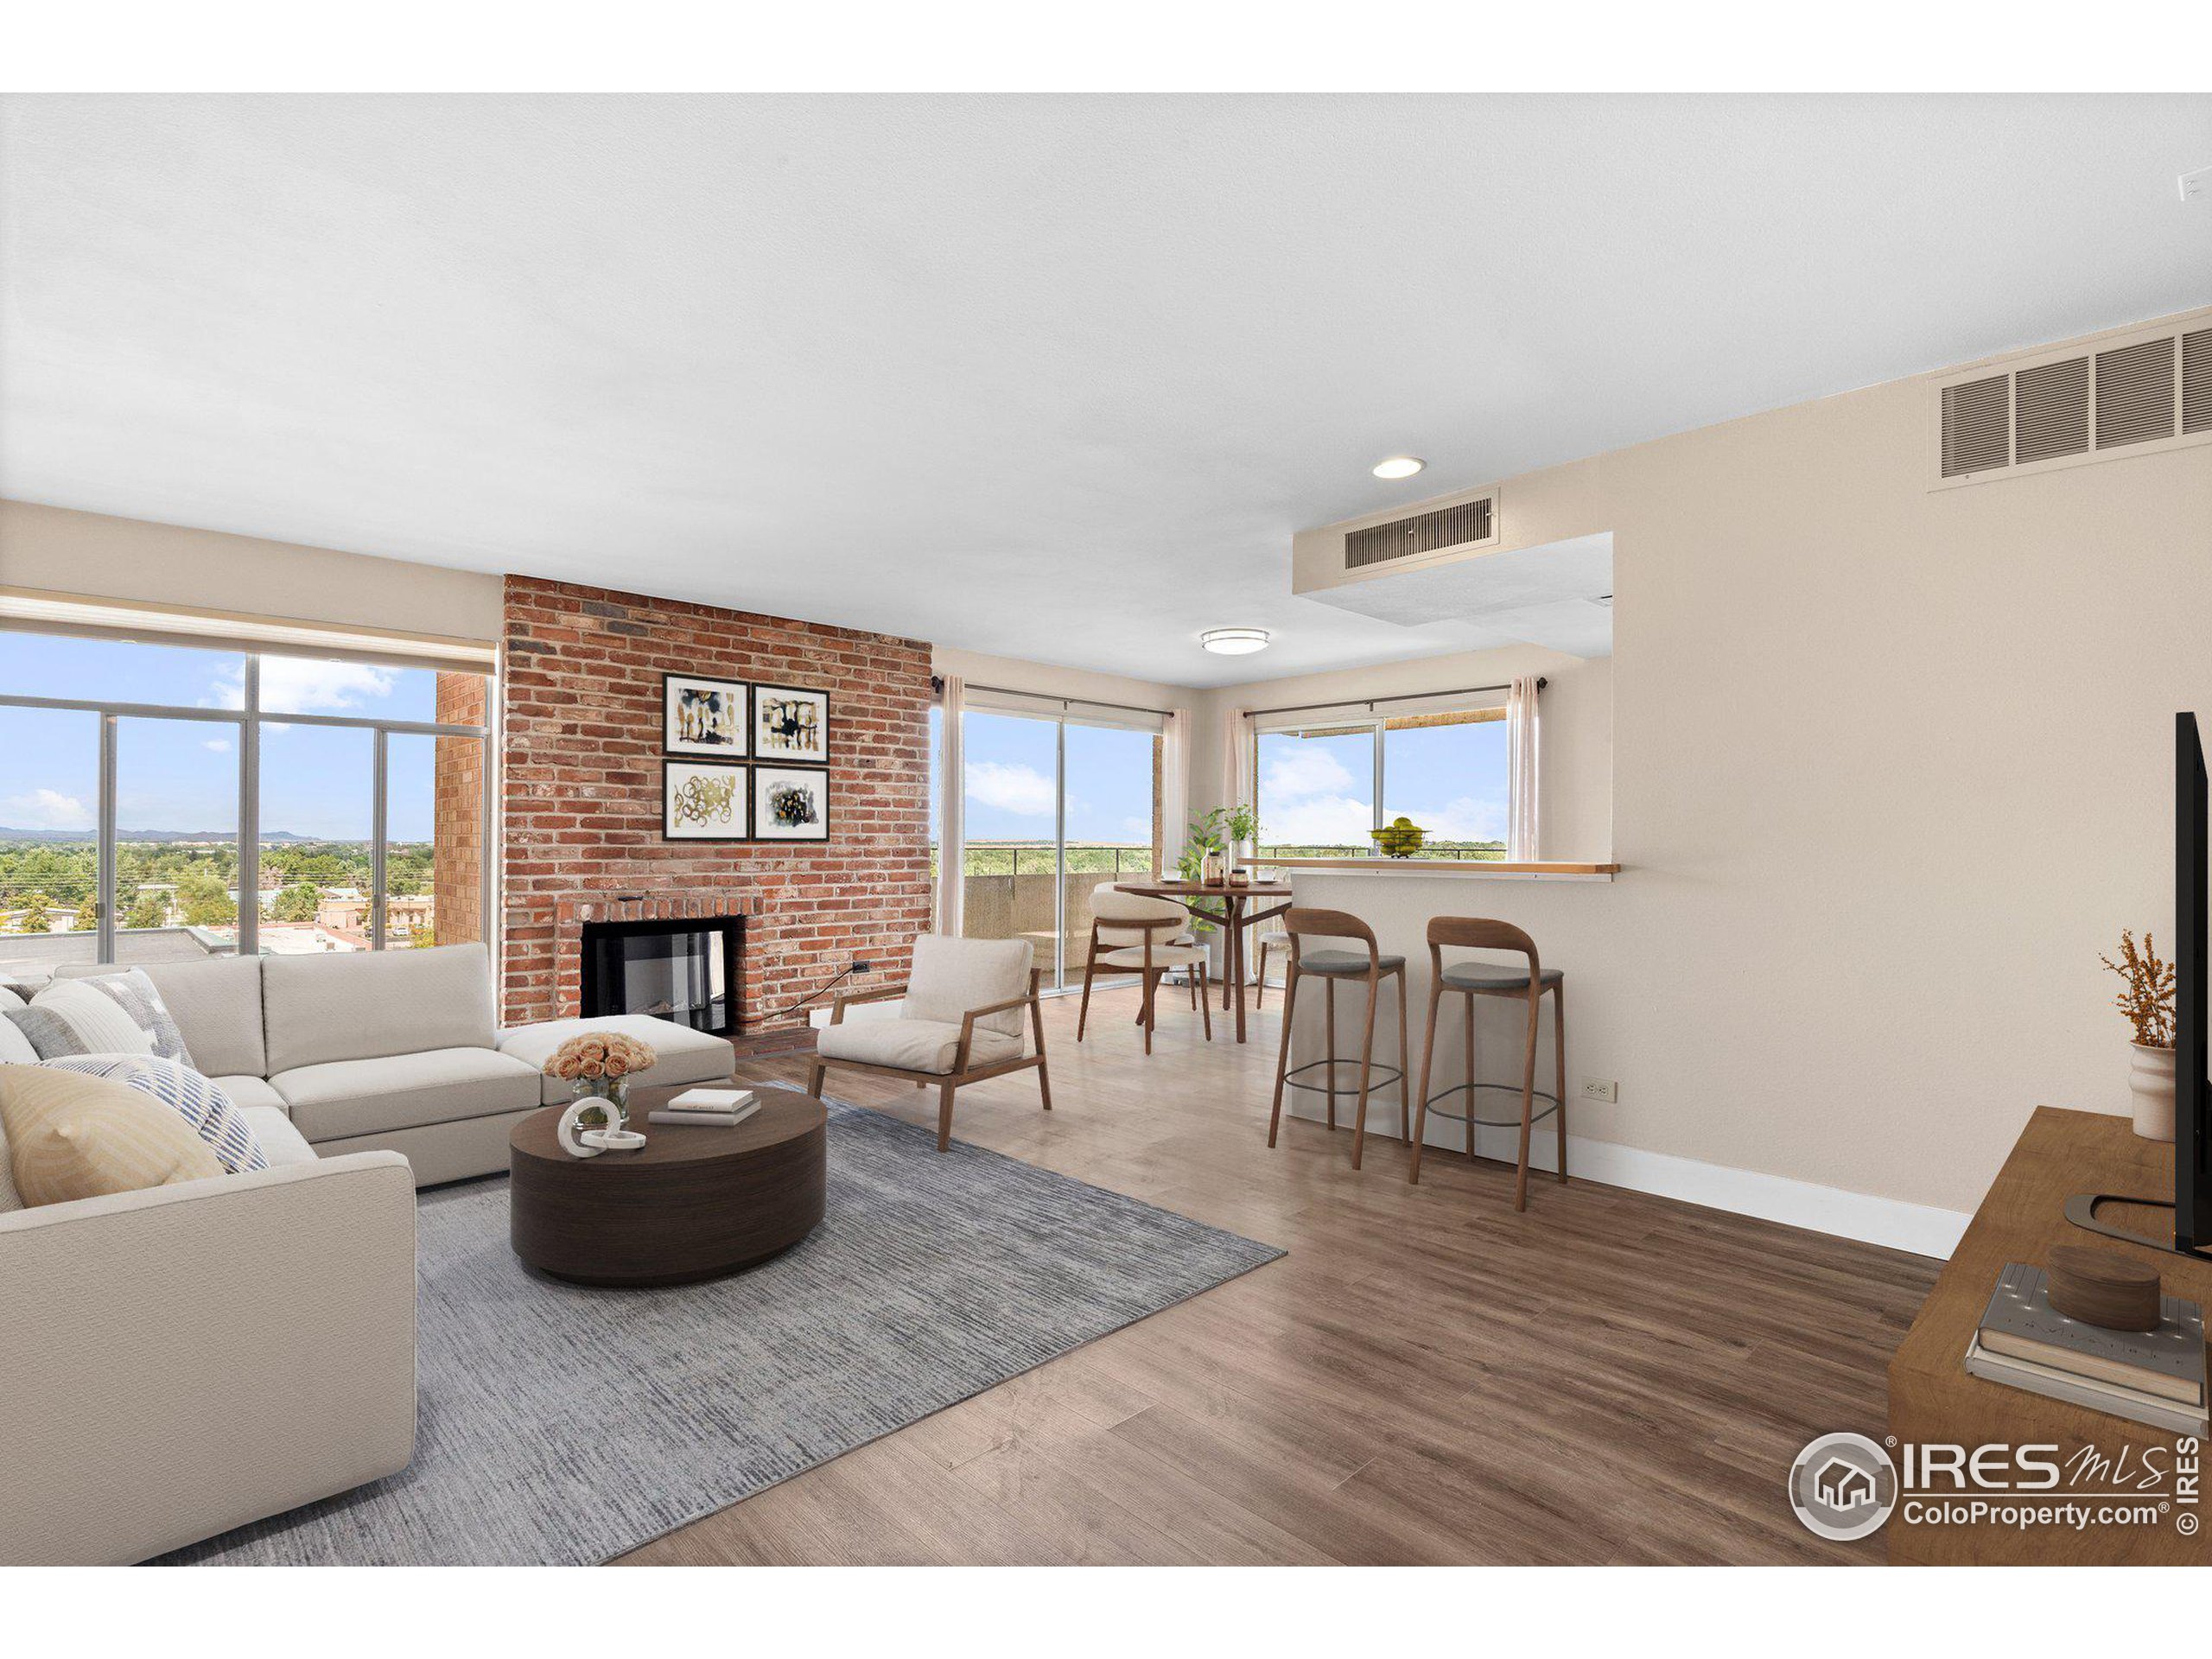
(204, 902)
(147, 909)
(33, 919)
(297, 903)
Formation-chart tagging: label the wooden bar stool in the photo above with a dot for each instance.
(1370, 967)
(1474, 979)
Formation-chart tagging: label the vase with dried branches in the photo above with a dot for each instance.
(2148, 1002)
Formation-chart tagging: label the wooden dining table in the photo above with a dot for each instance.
(1239, 908)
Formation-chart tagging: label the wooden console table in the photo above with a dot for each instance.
(1933, 1399)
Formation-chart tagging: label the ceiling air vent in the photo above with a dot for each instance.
(1466, 523)
(2135, 392)
(2196, 381)
(1977, 426)
(2051, 409)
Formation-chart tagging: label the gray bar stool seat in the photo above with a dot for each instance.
(1496, 976)
(1346, 964)
(1529, 981)
(1368, 968)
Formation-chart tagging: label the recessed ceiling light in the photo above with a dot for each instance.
(1233, 642)
(1399, 466)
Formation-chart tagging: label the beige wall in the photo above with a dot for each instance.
(1046, 680)
(1576, 788)
(1891, 765)
(59, 550)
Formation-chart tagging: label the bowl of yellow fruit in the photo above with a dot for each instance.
(1401, 838)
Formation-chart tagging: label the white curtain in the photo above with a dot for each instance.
(1175, 786)
(1236, 759)
(951, 790)
(1523, 735)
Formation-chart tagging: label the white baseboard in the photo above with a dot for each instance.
(1920, 1228)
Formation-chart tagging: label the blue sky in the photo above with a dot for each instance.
(1011, 789)
(1320, 790)
(175, 774)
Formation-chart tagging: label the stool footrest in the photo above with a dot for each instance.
(1429, 1105)
(1378, 1077)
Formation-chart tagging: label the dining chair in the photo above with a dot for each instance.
(1150, 937)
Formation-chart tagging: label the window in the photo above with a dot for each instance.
(1053, 806)
(254, 802)
(1321, 789)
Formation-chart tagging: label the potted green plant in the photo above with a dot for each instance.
(2148, 1002)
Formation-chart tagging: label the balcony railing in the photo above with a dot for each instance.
(1009, 890)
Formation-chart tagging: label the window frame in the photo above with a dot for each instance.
(248, 720)
(1376, 726)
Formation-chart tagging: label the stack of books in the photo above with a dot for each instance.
(2151, 1377)
(709, 1107)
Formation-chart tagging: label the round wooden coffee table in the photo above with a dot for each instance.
(691, 1204)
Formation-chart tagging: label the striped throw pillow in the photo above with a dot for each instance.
(76, 1137)
(211, 1114)
(138, 996)
(96, 1022)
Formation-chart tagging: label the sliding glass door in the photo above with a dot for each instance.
(1054, 806)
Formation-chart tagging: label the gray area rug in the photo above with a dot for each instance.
(568, 1426)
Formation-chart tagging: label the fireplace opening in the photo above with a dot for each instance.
(690, 970)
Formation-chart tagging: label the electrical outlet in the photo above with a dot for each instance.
(1600, 1089)
(2196, 187)
(859, 964)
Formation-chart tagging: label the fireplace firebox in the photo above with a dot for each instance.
(689, 969)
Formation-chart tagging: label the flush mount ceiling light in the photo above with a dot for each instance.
(1399, 466)
(1233, 642)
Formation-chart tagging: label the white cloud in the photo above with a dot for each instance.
(306, 685)
(45, 809)
(1326, 820)
(1021, 789)
(218, 745)
(1294, 774)
(1463, 818)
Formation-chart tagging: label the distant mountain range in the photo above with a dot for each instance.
(7, 834)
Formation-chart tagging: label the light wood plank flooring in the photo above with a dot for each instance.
(1426, 1377)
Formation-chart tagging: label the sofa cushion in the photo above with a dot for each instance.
(201, 1103)
(72, 1136)
(367, 1004)
(912, 1044)
(341, 1098)
(950, 976)
(280, 1143)
(217, 1005)
(682, 1055)
(15, 1045)
(130, 989)
(97, 1024)
(248, 1092)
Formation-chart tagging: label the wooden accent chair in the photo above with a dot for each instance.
(1368, 966)
(1474, 979)
(962, 1022)
(1151, 938)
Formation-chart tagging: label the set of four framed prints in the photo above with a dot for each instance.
(744, 761)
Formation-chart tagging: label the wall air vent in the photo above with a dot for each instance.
(2141, 390)
(1447, 529)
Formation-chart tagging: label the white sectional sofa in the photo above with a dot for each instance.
(370, 1049)
(185, 1360)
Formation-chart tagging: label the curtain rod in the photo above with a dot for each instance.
(936, 683)
(1370, 702)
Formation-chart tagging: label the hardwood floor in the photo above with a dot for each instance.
(1425, 1377)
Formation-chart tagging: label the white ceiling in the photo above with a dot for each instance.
(1559, 595)
(1049, 377)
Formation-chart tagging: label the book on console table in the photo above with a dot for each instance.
(2150, 1376)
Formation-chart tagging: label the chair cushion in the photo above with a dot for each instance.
(342, 1098)
(951, 976)
(1493, 977)
(281, 1144)
(211, 1114)
(1110, 904)
(217, 1005)
(1163, 955)
(72, 1136)
(682, 1055)
(912, 1044)
(367, 1004)
(248, 1092)
(1341, 962)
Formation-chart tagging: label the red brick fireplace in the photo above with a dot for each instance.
(582, 795)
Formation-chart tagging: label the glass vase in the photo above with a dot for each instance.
(613, 1095)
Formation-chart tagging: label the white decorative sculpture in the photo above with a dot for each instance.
(568, 1134)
